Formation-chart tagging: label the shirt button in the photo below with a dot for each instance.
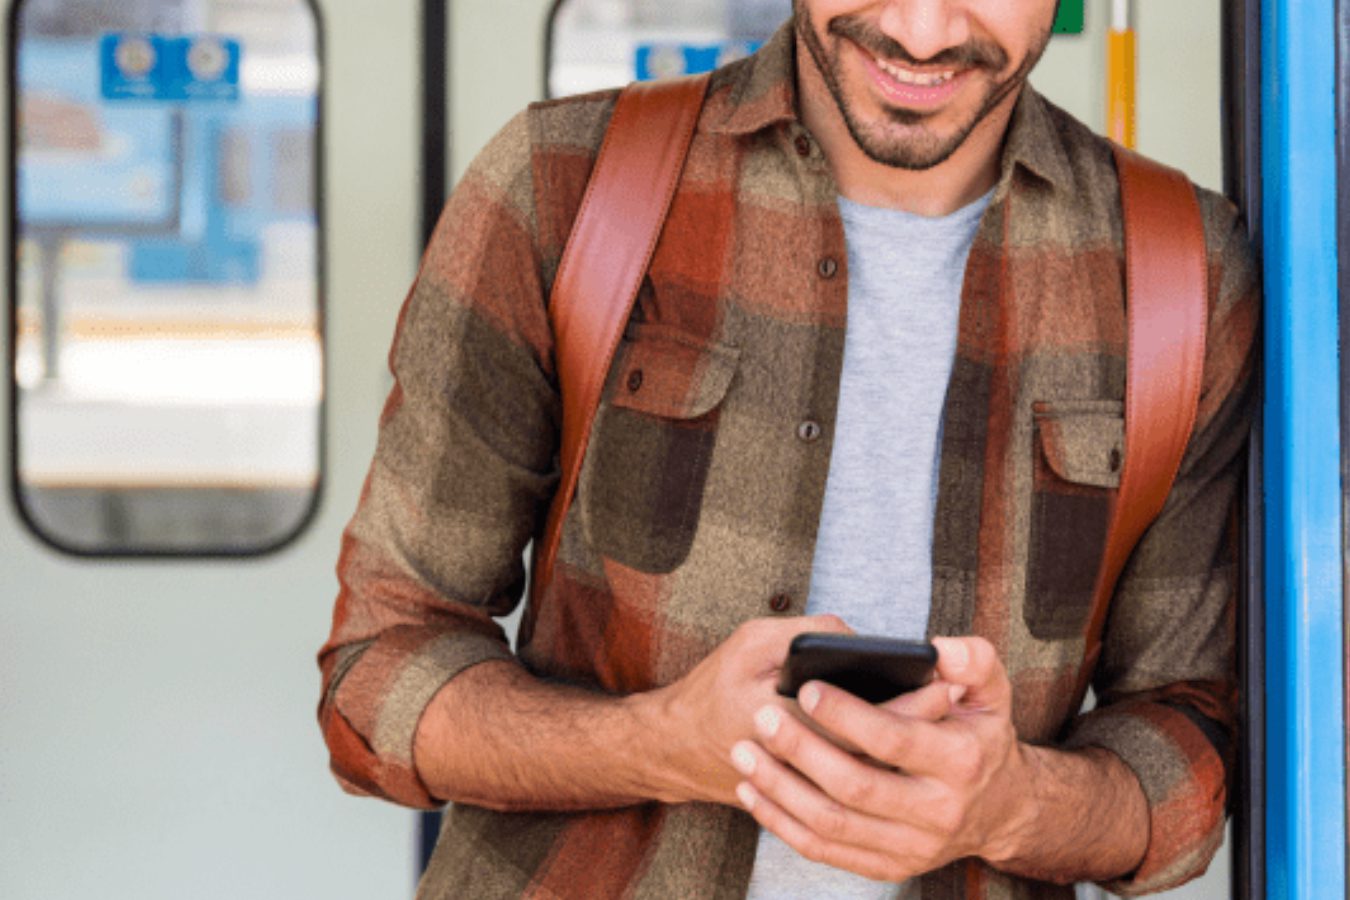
(828, 267)
(780, 603)
(803, 144)
(809, 432)
(635, 380)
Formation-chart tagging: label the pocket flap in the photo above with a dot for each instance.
(1083, 440)
(666, 372)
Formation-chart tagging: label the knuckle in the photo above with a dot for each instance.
(967, 762)
(856, 792)
(928, 846)
(948, 816)
(894, 744)
(968, 745)
(829, 820)
(814, 849)
(894, 872)
(929, 702)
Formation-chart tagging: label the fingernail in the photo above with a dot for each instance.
(743, 759)
(958, 654)
(746, 794)
(767, 721)
(808, 697)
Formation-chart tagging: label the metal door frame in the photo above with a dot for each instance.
(1305, 541)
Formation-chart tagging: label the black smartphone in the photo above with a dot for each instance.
(873, 668)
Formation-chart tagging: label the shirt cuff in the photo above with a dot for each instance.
(1185, 782)
(377, 707)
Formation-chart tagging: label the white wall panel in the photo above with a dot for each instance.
(157, 727)
(1180, 78)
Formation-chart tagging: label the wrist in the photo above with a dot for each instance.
(1015, 829)
(654, 746)
(1076, 815)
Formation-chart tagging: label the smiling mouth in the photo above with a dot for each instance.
(904, 75)
(907, 89)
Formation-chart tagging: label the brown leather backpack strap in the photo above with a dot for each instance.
(606, 257)
(1166, 273)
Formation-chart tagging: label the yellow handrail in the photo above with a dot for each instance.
(1121, 52)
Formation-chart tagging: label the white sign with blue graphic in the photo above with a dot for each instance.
(158, 67)
(673, 60)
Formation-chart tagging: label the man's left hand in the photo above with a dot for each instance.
(927, 789)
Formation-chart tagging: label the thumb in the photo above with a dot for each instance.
(826, 623)
(972, 664)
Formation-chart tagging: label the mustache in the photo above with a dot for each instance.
(972, 54)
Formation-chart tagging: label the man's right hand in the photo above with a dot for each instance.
(696, 720)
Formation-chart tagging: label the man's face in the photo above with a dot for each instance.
(913, 78)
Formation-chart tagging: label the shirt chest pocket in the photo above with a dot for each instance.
(1078, 449)
(652, 446)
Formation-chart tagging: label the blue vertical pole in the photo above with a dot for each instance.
(1305, 723)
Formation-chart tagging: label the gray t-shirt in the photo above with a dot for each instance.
(873, 559)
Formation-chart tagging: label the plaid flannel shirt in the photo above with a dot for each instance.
(701, 489)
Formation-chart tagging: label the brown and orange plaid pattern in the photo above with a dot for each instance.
(701, 490)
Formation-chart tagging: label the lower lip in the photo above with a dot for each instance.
(917, 97)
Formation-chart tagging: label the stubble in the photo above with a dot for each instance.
(918, 145)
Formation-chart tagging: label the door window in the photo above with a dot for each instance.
(596, 44)
(168, 355)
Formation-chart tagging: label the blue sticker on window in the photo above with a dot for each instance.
(673, 60)
(156, 67)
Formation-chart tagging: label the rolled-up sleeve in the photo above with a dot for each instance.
(1166, 682)
(464, 467)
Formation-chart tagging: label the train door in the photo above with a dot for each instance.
(214, 223)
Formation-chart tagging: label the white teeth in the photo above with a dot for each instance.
(919, 79)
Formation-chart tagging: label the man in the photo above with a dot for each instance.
(890, 263)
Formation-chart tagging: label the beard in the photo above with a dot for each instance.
(918, 145)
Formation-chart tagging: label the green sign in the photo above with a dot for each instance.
(1069, 19)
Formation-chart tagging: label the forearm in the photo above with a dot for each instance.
(1084, 817)
(495, 736)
